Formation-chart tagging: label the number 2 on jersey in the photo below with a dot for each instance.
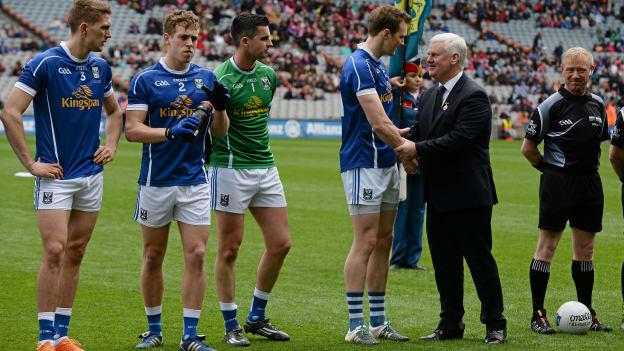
(181, 87)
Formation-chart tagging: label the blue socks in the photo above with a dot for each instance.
(191, 319)
(376, 302)
(154, 319)
(228, 310)
(61, 321)
(46, 326)
(258, 305)
(355, 301)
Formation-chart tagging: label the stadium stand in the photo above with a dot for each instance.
(514, 46)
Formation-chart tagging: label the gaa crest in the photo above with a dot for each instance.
(367, 194)
(225, 200)
(47, 198)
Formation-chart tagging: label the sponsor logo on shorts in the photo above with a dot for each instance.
(367, 194)
(47, 197)
(143, 214)
(225, 200)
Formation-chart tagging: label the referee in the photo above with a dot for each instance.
(572, 123)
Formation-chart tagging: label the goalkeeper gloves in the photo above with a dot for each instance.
(218, 96)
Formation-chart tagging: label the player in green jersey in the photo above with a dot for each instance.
(243, 175)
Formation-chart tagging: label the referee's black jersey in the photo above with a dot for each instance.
(572, 128)
(617, 137)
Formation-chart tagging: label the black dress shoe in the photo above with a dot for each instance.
(441, 334)
(495, 336)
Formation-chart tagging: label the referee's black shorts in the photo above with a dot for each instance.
(573, 197)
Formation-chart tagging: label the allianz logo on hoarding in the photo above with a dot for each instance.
(322, 128)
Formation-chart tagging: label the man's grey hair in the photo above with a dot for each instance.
(453, 43)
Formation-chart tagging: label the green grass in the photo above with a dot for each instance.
(308, 301)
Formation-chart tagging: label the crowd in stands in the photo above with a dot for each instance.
(300, 29)
(609, 41)
(549, 13)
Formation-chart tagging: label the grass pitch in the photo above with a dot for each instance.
(308, 301)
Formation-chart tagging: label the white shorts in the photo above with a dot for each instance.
(234, 190)
(82, 194)
(371, 190)
(157, 206)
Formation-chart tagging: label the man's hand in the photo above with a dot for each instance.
(104, 154)
(185, 127)
(404, 132)
(406, 151)
(411, 166)
(219, 96)
(46, 170)
(397, 82)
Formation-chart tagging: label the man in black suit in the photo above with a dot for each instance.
(450, 144)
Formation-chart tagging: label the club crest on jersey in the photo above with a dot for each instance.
(80, 99)
(180, 107)
(47, 198)
(199, 83)
(96, 72)
(595, 121)
(225, 200)
(143, 214)
(266, 83)
(367, 194)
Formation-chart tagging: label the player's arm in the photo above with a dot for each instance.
(531, 152)
(106, 153)
(616, 151)
(616, 156)
(11, 117)
(137, 131)
(379, 121)
(220, 124)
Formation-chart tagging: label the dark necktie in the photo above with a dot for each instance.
(438, 101)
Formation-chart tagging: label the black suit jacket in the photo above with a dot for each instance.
(453, 148)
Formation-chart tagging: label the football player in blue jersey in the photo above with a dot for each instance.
(165, 102)
(369, 172)
(69, 88)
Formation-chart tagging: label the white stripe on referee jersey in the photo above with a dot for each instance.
(25, 88)
(558, 134)
(52, 128)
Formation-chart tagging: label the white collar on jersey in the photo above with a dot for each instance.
(162, 63)
(242, 70)
(74, 58)
(367, 49)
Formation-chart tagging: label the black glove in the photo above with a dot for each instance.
(219, 96)
(540, 166)
(204, 114)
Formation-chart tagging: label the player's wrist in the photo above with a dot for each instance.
(540, 166)
(168, 134)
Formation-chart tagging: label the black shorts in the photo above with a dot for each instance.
(577, 198)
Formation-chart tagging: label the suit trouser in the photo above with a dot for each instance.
(456, 235)
(408, 225)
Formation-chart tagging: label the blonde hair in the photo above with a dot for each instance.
(578, 52)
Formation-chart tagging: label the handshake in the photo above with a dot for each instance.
(407, 155)
(188, 128)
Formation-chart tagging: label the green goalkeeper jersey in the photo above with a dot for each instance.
(246, 144)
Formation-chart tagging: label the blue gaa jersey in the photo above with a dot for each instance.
(167, 96)
(363, 74)
(68, 94)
